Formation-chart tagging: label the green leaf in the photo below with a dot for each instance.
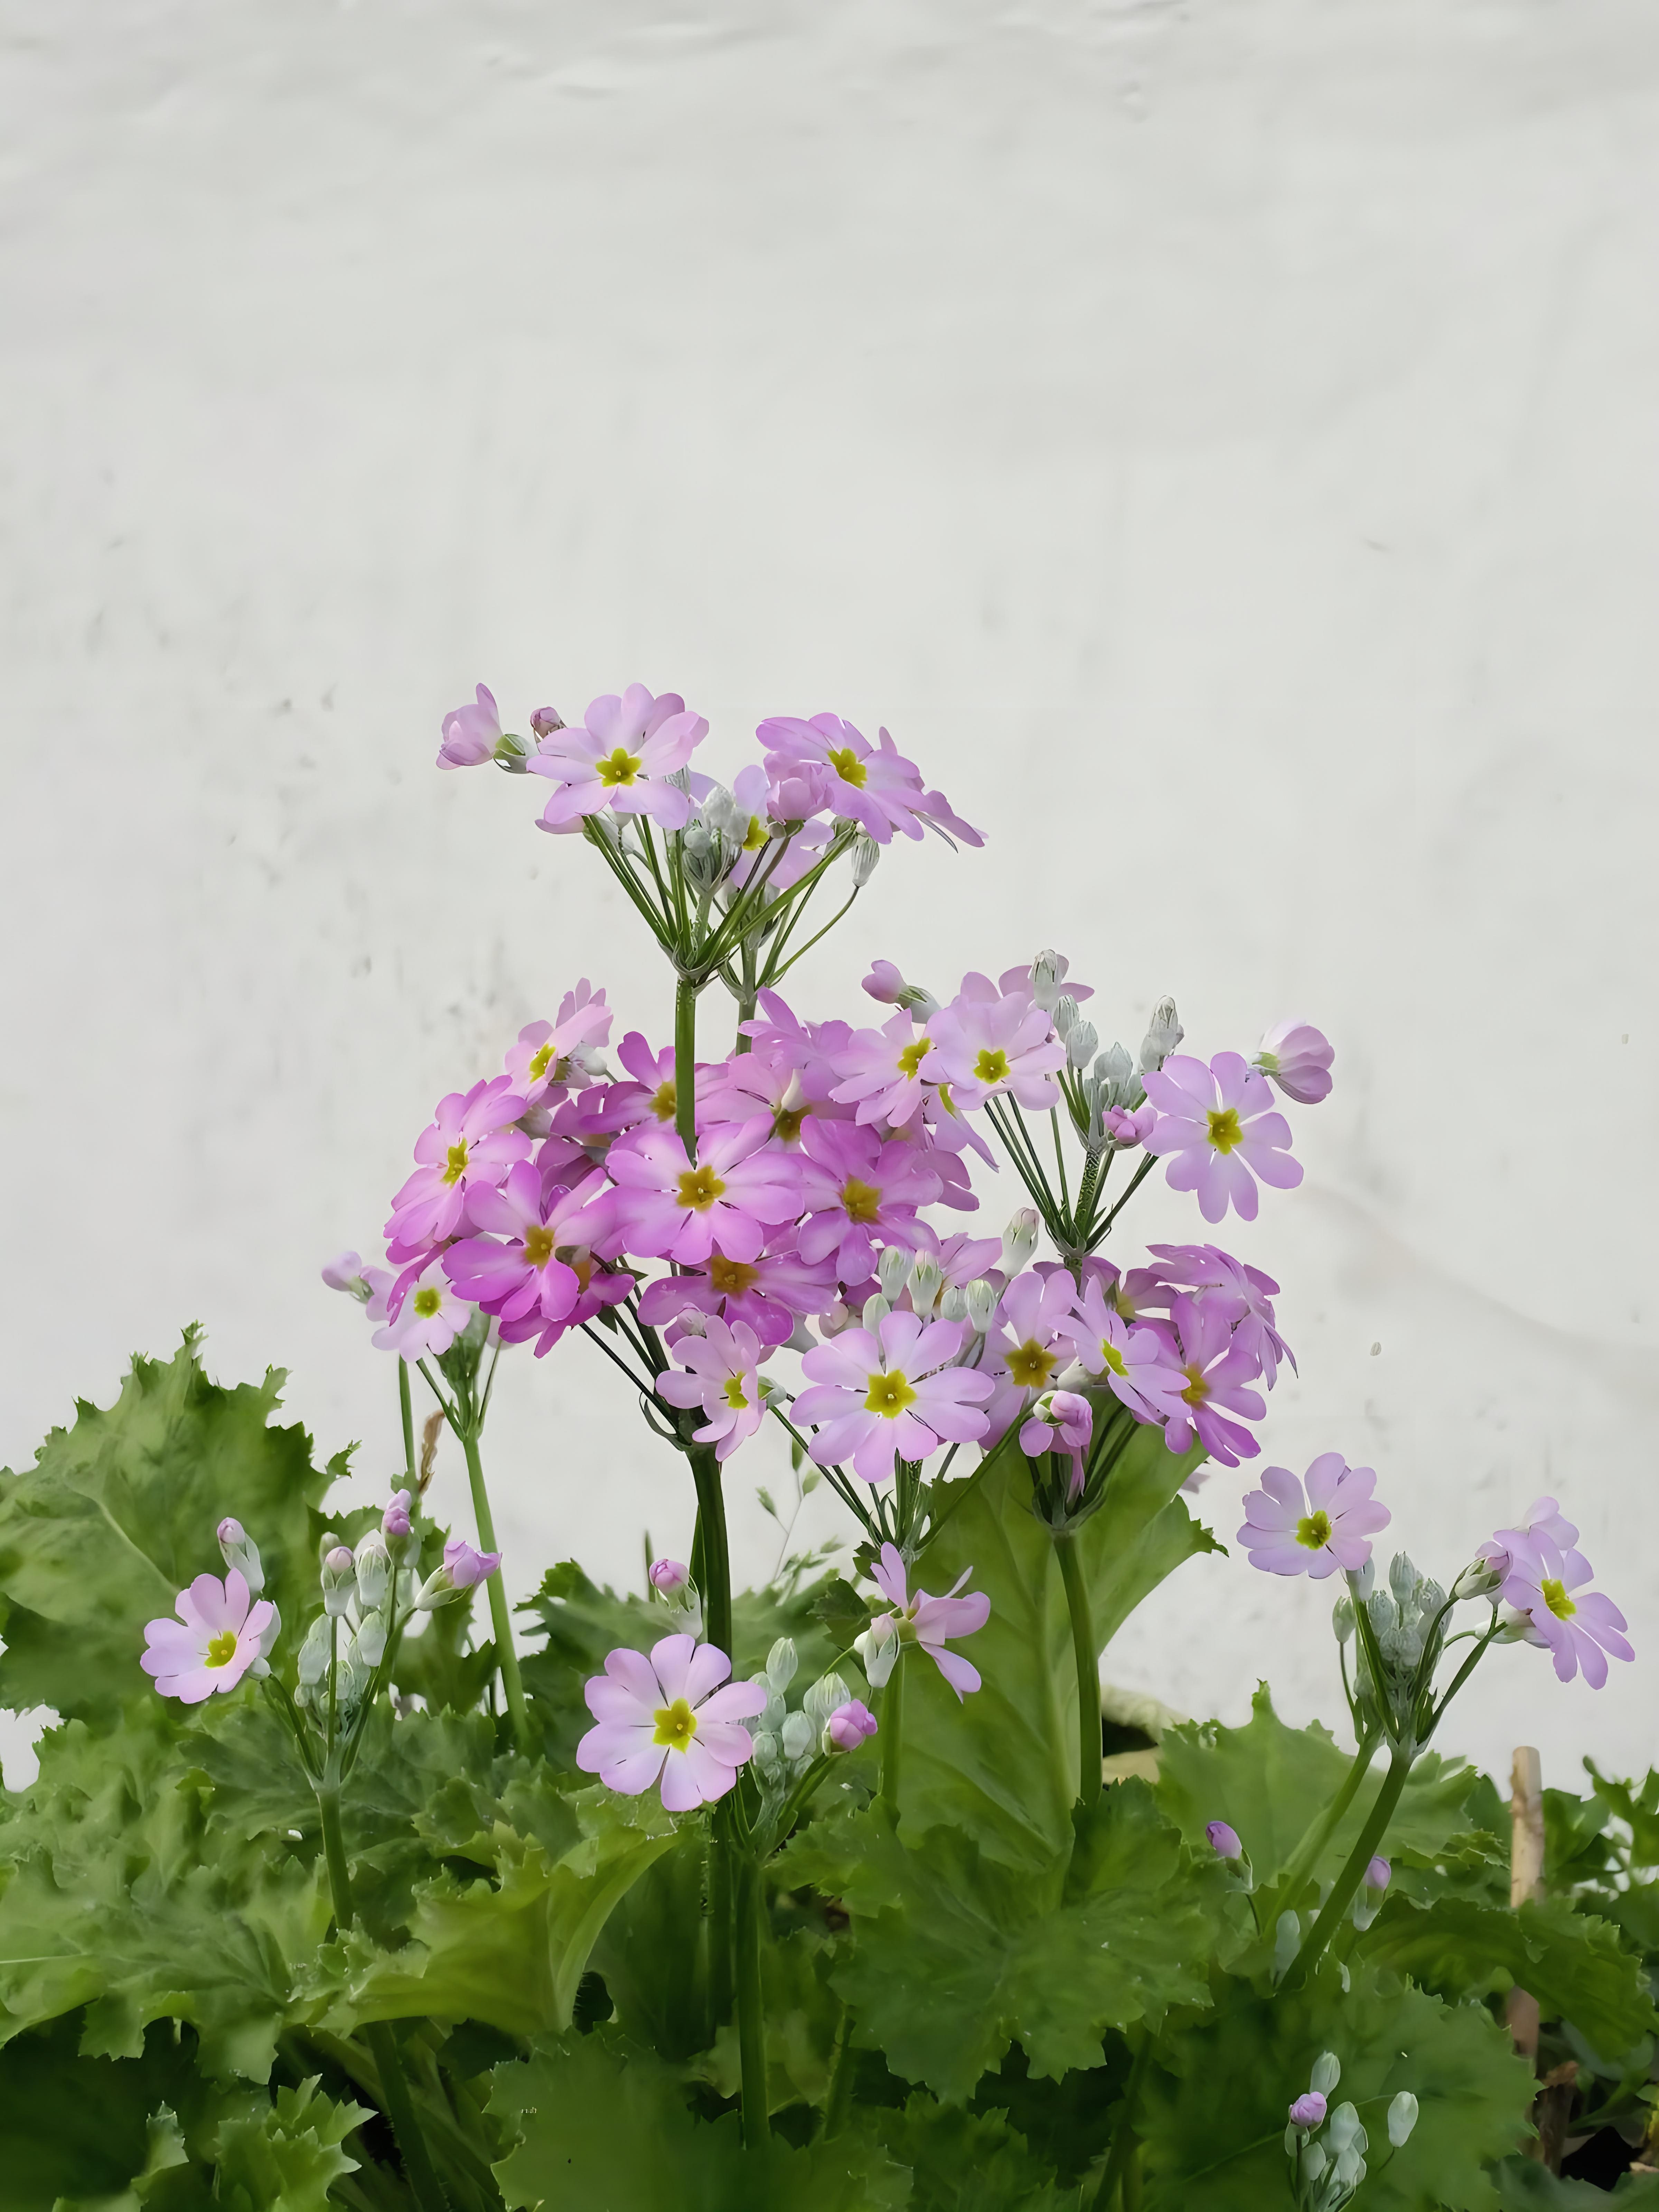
(1002, 1764)
(1573, 1964)
(284, 2160)
(958, 1954)
(118, 1515)
(963, 2161)
(651, 1953)
(1213, 2111)
(603, 2126)
(510, 1950)
(114, 1899)
(1577, 1846)
(1524, 2186)
(1273, 1783)
(1637, 1808)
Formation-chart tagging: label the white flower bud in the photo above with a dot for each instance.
(1163, 1034)
(893, 1272)
(1402, 1577)
(1114, 1067)
(240, 1552)
(1360, 1579)
(1349, 2170)
(1343, 2129)
(514, 753)
(782, 1663)
(1287, 1942)
(1080, 1045)
(1402, 2118)
(927, 1282)
(878, 1650)
(313, 1661)
(876, 1311)
(374, 1563)
(368, 1645)
(953, 1304)
(1064, 1014)
(1431, 1599)
(268, 1635)
(982, 1298)
(1326, 2073)
(1019, 1241)
(866, 857)
(1342, 1619)
(1480, 1578)
(799, 1737)
(765, 1751)
(1314, 2161)
(825, 1697)
(339, 1582)
(724, 816)
(1047, 971)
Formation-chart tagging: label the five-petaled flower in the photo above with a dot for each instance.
(622, 755)
(1546, 1585)
(931, 1622)
(991, 1042)
(1289, 1533)
(721, 1374)
(471, 1144)
(893, 1394)
(668, 1717)
(471, 734)
(1219, 1130)
(672, 1207)
(219, 1634)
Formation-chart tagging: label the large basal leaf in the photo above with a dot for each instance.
(1272, 1783)
(1573, 1964)
(1003, 1765)
(958, 1954)
(118, 1515)
(963, 2161)
(1213, 2127)
(603, 2125)
(115, 1898)
(510, 1949)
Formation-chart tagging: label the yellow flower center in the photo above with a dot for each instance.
(619, 768)
(1111, 1358)
(786, 1122)
(428, 1301)
(662, 1101)
(539, 1245)
(1029, 1365)
(222, 1648)
(1125, 1304)
(675, 1725)
(736, 1397)
(1555, 1597)
(731, 1277)
(757, 836)
(700, 1188)
(889, 1395)
(1225, 1132)
(991, 1067)
(1313, 1531)
(848, 766)
(455, 1167)
(910, 1059)
(1197, 1389)
(541, 1060)
(861, 1202)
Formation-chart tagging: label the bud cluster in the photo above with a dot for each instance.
(1326, 2147)
(829, 1719)
(1405, 1634)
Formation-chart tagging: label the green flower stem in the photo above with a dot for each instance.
(506, 1658)
(1353, 1872)
(720, 1904)
(685, 1065)
(382, 2044)
(843, 2075)
(1087, 1661)
(1125, 2143)
(714, 1563)
(1321, 1831)
(715, 1589)
(892, 1735)
(751, 2006)
(406, 1408)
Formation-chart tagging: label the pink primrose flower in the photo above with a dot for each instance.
(600, 1286)
(1578, 1627)
(1135, 1363)
(1211, 1274)
(767, 1293)
(893, 1394)
(1297, 1058)
(621, 755)
(1332, 1527)
(525, 1275)
(931, 1622)
(751, 1082)
(1544, 1520)
(1029, 1343)
(466, 1567)
(1218, 1375)
(552, 1057)
(811, 1049)
(1126, 1128)
(1061, 1422)
(668, 1578)
(430, 1316)
(872, 785)
(849, 1726)
(854, 1190)
(470, 734)
(766, 806)
(345, 1272)
(218, 1636)
(469, 1146)
(991, 1044)
(885, 1073)
(395, 1522)
(667, 1717)
(1309, 2110)
(1217, 1128)
(670, 1207)
(720, 1372)
(654, 1073)
(1225, 1842)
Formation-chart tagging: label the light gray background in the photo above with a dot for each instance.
(1219, 440)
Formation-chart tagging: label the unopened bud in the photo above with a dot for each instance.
(1402, 2118)
(513, 754)
(878, 1650)
(240, 1552)
(1080, 1045)
(1019, 1241)
(927, 1282)
(1287, 1942)
(1314, 2161)
(866, 856)
(1344, 2129)
(339, 1582)
(313, 1661)
(822, 1699)
(893, 1273)
(368, 1646)
(765, 1750)
(953, 1304)
(374, 1562)
(781, 1664)
(875, 1311)
(345, 1272)
(850, 1725)
(1342, 1619)
(668, 1578)
(1482, 1578)
(1360, 1579)
(1402, 1577)
(1326, 2074)
(981, 1304)
(1064, 1014)
(545, 721)
(1047, 971)
(798, 1737)
(1163, 1034)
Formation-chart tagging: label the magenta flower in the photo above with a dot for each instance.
(469, 1146)
(1378, 1874)
(1332, 1527)
(1309, 2110)
(1225, 1842)
(1031, 1345)
(1297, 1058)
(464, 1566)
(1217, 1128)
(872, 785)
(551, 1057)
(876, 1398)
(931, 1622)
(429, 1318)
(526, 1275)
(855, 1189)
(992, 1043)
(885, 1073)
(1126, 1128)
(1218, 1376)
(470, 734)
(1578, 1627)
(848, 1726)
(721, 1374)
(621, 755)
(767, 1293)
(395, 1522)
(219, 1634)
(1135, 1363)
(668, 1717)
(812, 1049)
(670, 1207)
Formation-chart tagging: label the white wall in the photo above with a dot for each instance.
(1219, 440)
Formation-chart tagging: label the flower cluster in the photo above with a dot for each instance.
(1326, 2168)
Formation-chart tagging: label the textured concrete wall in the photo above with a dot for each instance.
(1219, 440)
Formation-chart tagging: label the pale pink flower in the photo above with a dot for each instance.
(931, 1622)
(470, 734)
(1135, 1363)
(1297, 1058)
(1289, 1533)
(812, 1049)
(525, 1274)
(1218, 1126)
(720, 1372)
(769, 1292)
(767, 805)
(218, 1636)
(669, 1207)
(552, 1057)
(345, 1272)
(1215, 1373)
(855, 1190)
(1246, 1293)
(991, 1044)
(395, 1521)
(1061, 1421)
(466, 1566)
(429, 1318)
(1127, 1126)
(668, 1578)
(1309, 2110)
(849, 1726)
(872, 785)
(469, 1146)
(1578, 1627)
(668, 1717)
(1029, 1343)
(893, 1394)
(885, 1073)
(621, 755)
